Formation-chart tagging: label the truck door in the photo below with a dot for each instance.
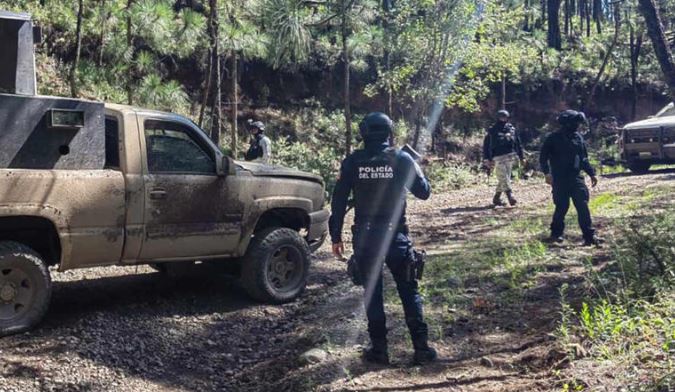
(187, 214)
(668, 140)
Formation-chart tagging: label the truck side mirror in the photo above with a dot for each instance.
(225, 166)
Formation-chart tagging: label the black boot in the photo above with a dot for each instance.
(555, 239)
(423, 353)
(512, 200)
(376, 353)
(497, 200)
(593, 241)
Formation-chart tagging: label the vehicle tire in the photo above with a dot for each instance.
(638, 167)
(276, 265)
(25, 288)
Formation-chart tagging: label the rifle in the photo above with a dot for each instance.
(414, 154)
(487, 169)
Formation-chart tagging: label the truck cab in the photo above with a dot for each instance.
(648, 142)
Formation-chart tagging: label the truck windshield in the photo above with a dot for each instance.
(669, 110)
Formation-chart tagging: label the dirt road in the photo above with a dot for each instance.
(130, 329)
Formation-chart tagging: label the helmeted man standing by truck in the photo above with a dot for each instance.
(260, 149)
(501, 149)
(563, 157)
(380, 177)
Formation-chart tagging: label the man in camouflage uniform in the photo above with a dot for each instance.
(501, 150)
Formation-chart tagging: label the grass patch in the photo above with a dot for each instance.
(630, 319)
(530, 226)
(490, 263)
(450, 175)
(625, 321)
(616, 169)
(602, 202)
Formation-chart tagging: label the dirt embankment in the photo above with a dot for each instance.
(116, 329)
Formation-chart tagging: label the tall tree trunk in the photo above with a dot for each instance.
(390, 88)
(597, 15)
(235, 103)
(567, 17)
(656, 32)
(503, 93)
(209, 68)
(635, 48)
(582, 15)
(130, 46)
(554, 39)
(610, 50)
(78, 49)
(387, 61)
(207, 88)
(347, 98)
(527, 15)
(104, 28)
(418, 121)
(216, 102)
(588, 18)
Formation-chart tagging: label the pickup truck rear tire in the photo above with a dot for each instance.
(276, 265)
(639, 167)
(25, 288)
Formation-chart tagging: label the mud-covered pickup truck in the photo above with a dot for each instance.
(83, 184)
(651, 141)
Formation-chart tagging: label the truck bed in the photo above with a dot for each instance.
(87, 207)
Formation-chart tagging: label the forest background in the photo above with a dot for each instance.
(310, 69)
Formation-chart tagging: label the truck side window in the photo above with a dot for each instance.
(112, 148)
(172, 149)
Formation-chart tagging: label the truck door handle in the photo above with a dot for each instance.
(157, 194)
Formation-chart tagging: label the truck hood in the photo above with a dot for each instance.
(259, 169)
(651, 123)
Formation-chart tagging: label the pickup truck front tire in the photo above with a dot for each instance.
(25, 288)
(276, 265)
(639, 167)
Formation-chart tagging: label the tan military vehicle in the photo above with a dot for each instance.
(651, 141)
(83, 184)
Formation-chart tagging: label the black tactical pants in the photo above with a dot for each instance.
(563, 190)
(374, 247)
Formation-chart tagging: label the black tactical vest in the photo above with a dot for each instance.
(503, 141)
(255, 150)
(379, 190)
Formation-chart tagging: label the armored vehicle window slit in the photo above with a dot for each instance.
(172, 148)
(112, 147)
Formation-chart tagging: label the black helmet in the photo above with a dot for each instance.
(503, 113)
(257, 125)
(571, 118)
(376, 125)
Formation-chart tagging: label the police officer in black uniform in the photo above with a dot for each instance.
(379, 177)
(563, 157)
(260, 146)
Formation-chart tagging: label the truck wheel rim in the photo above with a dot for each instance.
(16, 293)
(285, 269)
